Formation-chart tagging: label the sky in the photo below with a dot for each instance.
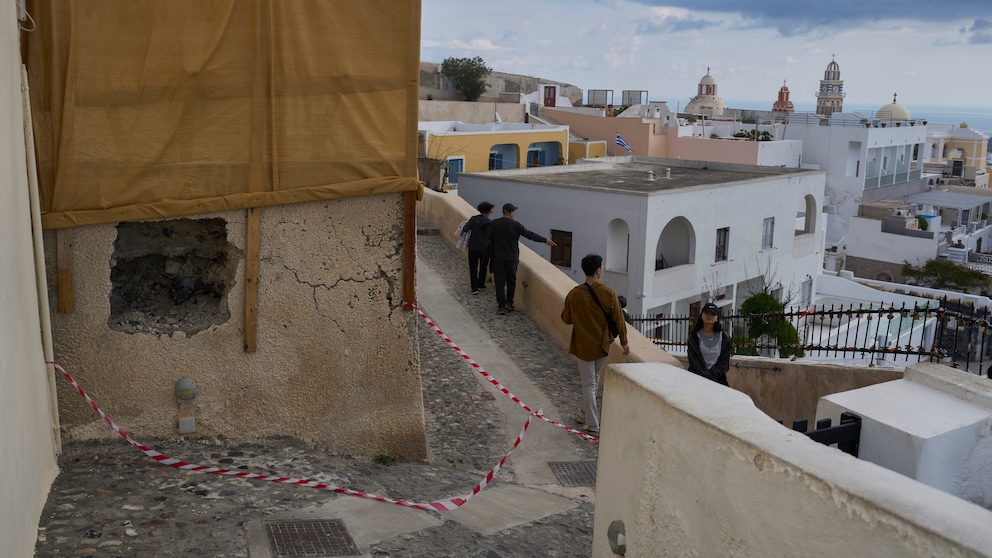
(930, 52)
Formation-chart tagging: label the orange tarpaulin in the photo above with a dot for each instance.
(161, 109)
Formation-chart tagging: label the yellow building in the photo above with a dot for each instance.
(960, 149)
(449, 148)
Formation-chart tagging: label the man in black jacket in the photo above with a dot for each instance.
(505, 235)
(479, 249)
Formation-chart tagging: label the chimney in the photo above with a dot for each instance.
(651, 177)
(668, 174)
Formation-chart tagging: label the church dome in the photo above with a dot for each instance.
(893, 111)
(706, 101)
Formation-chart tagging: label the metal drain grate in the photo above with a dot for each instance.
(310, 539)
(574, 473)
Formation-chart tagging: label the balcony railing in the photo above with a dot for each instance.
(945, 331)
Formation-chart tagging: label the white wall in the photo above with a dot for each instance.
(587, 213)
(741, 206)
(865, 239)
(27, 442)
(705, 473)
(781, 153)
(828, 148)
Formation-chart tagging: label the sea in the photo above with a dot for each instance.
(977, 117)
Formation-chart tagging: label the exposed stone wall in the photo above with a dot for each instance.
(336, 362)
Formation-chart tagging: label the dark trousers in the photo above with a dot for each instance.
(478, 266)
(505, 277)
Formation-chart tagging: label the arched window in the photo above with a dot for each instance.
(676, 245)
(806, 216)
(618, 246)
(503, 156)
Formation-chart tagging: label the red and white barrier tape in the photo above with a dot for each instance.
(492, 380)
(440, 505)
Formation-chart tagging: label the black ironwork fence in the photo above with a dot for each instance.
(944, 331)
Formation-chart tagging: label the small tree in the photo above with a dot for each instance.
(468, 75)
(766, 318)
(945, 274)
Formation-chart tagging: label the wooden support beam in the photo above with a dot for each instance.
(409, 246)
(63, 250)
(253, 244)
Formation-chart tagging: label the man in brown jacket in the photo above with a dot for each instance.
(586, 309)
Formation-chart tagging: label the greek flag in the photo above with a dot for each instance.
(623, 144)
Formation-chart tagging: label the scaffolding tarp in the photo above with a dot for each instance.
(163, 109)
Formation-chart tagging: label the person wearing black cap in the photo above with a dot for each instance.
(505, 235)
(709, 346)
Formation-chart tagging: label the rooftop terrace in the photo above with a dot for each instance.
(640, 174)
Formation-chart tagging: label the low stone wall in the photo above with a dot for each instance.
(789, 390)
(688, 468)
(469, 113)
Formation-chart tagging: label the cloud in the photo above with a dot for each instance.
(980, 32)
(473, 46)
(666, 20)
(791, 18)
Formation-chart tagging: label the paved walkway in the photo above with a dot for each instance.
(110, 500)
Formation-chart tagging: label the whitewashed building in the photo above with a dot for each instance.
(672, 233)
(866, 160)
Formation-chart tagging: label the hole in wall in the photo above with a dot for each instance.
(170, 276)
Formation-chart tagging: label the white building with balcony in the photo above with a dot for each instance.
(673, 233)
(866, 159)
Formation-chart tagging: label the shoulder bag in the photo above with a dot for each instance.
(614, 330)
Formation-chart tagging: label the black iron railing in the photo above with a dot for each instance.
(944, 331)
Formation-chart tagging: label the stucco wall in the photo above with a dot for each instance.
(336, 362)
(705, 473)
(27, 443)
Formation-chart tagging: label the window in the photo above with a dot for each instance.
(767, 233)
(495, 160)
(561, 255)
(722, 243)
(535, 158)
(806, 292)
(455, 166)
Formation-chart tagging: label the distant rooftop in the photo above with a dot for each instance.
(633, 174)
(443, 126)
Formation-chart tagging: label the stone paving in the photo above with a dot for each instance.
(110, 500)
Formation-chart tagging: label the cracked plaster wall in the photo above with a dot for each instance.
(337, 356)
